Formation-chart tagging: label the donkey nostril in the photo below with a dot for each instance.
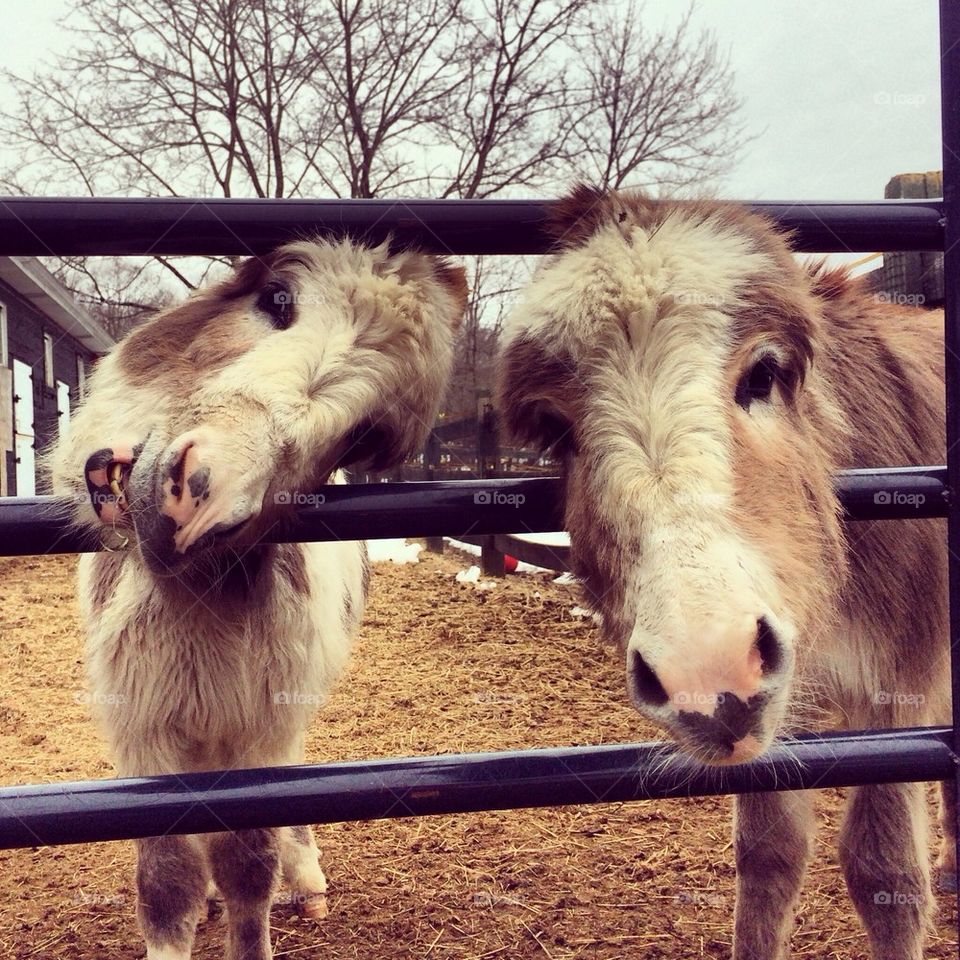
(645, 684)
(176, 468)
(768, 646)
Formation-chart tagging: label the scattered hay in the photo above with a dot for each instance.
(439, 668)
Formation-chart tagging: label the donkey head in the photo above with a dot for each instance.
(664, 355)
(202, 426)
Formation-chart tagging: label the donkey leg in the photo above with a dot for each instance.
(947, 861)
(246, 867)
(773, 841)
(300, 861)
(171, 882)
(884, 854)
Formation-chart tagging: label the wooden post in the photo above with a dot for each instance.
(488, 447)
(492, 563)
(431, 460)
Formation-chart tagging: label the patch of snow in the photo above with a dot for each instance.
(473, 576)
(558, 539)
(393, 551)
(470, 548)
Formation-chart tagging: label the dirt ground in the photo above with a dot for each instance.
(439, 668)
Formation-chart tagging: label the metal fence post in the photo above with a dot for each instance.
(950, 119)
(492, 560)
(431, 463)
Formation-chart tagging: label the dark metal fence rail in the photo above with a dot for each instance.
(417, 786)
(464, 508)
(39, 226)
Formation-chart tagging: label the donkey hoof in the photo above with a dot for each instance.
(214, 908)
(313, 906)
(946, 880)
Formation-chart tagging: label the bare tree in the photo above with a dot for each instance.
(513, 123)
(495, 283)
(162, 98)
(385, 76)
(660, 108)
(359, 98)
(166, 97)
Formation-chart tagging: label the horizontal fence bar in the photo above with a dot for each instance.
(549, 556)
(73, 226)
(463, 508)
(92, 811)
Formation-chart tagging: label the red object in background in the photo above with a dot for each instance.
(509, 563)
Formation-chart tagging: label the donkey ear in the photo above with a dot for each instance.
(376, 444)
(453, 279)
(574, 219)
(537, 396)
(412, 266)
(249, 276)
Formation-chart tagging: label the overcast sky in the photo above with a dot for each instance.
(839, 94)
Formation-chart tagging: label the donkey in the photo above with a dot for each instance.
(700, 388)
(208, 648)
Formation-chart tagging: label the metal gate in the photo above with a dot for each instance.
(237, 799)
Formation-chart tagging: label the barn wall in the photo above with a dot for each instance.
(26, 326)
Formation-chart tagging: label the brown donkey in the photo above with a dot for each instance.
(701, 387)
(208, 649)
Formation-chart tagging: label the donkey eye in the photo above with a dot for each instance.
(276, 301)
(554, 433)
(757, 383)
(369, 443)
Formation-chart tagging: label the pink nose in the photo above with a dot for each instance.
(186, 488)
(702, 685)
(712, 665)
(192, 497)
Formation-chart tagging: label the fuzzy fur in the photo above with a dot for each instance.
(222, 661)
(691, 517)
